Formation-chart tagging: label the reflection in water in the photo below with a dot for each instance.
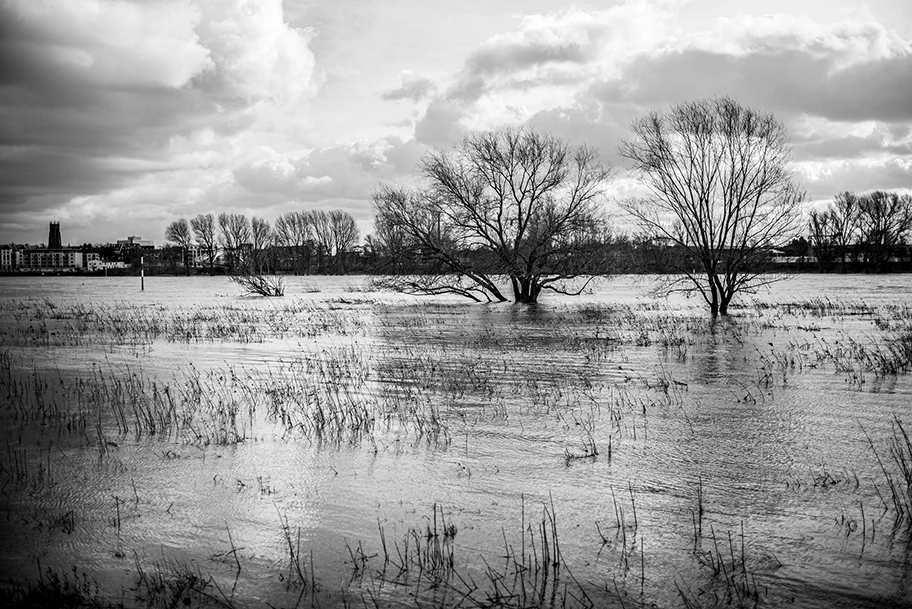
(341, 427)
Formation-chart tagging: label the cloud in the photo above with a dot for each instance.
(147, 110)
(415, 89)
(544, 64)
(786, 81)
(349, 171)
(97, 95)
(824, 178)
(566, 47)
(441, 123)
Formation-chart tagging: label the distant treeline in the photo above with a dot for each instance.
(858, 233)
(863, 233)
(618, 254)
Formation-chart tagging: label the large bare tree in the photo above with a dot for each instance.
(203, 226)
(511, 202)
(178, 232)
(720, 190)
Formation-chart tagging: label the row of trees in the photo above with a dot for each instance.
(521, 204)
(861, 231)
(524, 204)
(299, 242)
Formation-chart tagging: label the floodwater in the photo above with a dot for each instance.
(342, 447)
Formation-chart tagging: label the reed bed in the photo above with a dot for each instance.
(530, 573)
(889, 354)
(47, 323)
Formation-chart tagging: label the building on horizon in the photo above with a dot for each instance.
(135, 242)
(8, 258)
(41, 259)
(54, 241)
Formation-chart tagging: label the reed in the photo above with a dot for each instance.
(731, 580)
(55, 589)
(898, 477)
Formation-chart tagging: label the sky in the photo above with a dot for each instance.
(118, 117)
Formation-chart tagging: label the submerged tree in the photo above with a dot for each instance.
(720, 190)
(513, 202)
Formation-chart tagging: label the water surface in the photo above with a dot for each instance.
(158, 430)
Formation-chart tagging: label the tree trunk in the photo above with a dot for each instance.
(525, 289)
(723, 303)
(714, 297)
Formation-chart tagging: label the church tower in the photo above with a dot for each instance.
(54, 236)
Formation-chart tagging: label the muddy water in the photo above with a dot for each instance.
(680, 461)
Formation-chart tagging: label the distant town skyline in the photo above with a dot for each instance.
(120, 117)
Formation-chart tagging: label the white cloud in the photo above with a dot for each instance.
(256, 54)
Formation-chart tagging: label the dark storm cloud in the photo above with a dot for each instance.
(62, 122)
(790, 81)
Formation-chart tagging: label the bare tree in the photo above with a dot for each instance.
(720, 189)
(323, 239)
(513, 202)
(844, 218)
(345, 236)
(390, 244)
(204, 232)
(234, 238)
(823, 238)
(178, 232)
(261, 240)
(293, 231)
(884, 220)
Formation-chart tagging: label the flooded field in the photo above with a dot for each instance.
(188, 446)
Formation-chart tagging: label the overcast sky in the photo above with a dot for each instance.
(117, 117)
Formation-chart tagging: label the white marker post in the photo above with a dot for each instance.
(142, 275)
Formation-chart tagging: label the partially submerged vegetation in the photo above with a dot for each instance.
(260, 285)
